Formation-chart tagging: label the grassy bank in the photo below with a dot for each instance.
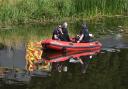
(25, 11)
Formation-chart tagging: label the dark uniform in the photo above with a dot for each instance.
(85, 32)
(65, 36)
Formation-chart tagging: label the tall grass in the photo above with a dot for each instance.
(22, 11)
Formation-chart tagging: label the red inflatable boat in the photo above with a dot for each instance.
(70, 46)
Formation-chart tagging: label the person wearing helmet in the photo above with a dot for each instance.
(65, 36)
(84, 35)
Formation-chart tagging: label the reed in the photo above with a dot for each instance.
(23, 11)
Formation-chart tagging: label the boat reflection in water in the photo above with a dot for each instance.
(62, 61)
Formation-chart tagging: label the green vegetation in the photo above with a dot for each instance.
(17, 35)
(24, 11)
(21, 34)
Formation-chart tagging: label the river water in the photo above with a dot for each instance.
(104, 70)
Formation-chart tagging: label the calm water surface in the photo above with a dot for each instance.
(105, 70)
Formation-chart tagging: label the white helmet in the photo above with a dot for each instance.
(65, 24)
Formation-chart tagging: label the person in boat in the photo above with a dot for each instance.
(57, 33)
(65, 36)
(84, 35)
(61, 33)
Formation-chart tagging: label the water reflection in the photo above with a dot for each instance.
(115, 41)
(60, 61)
(50, 63)
(64, 66)
(12, 57)
(14, 76)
